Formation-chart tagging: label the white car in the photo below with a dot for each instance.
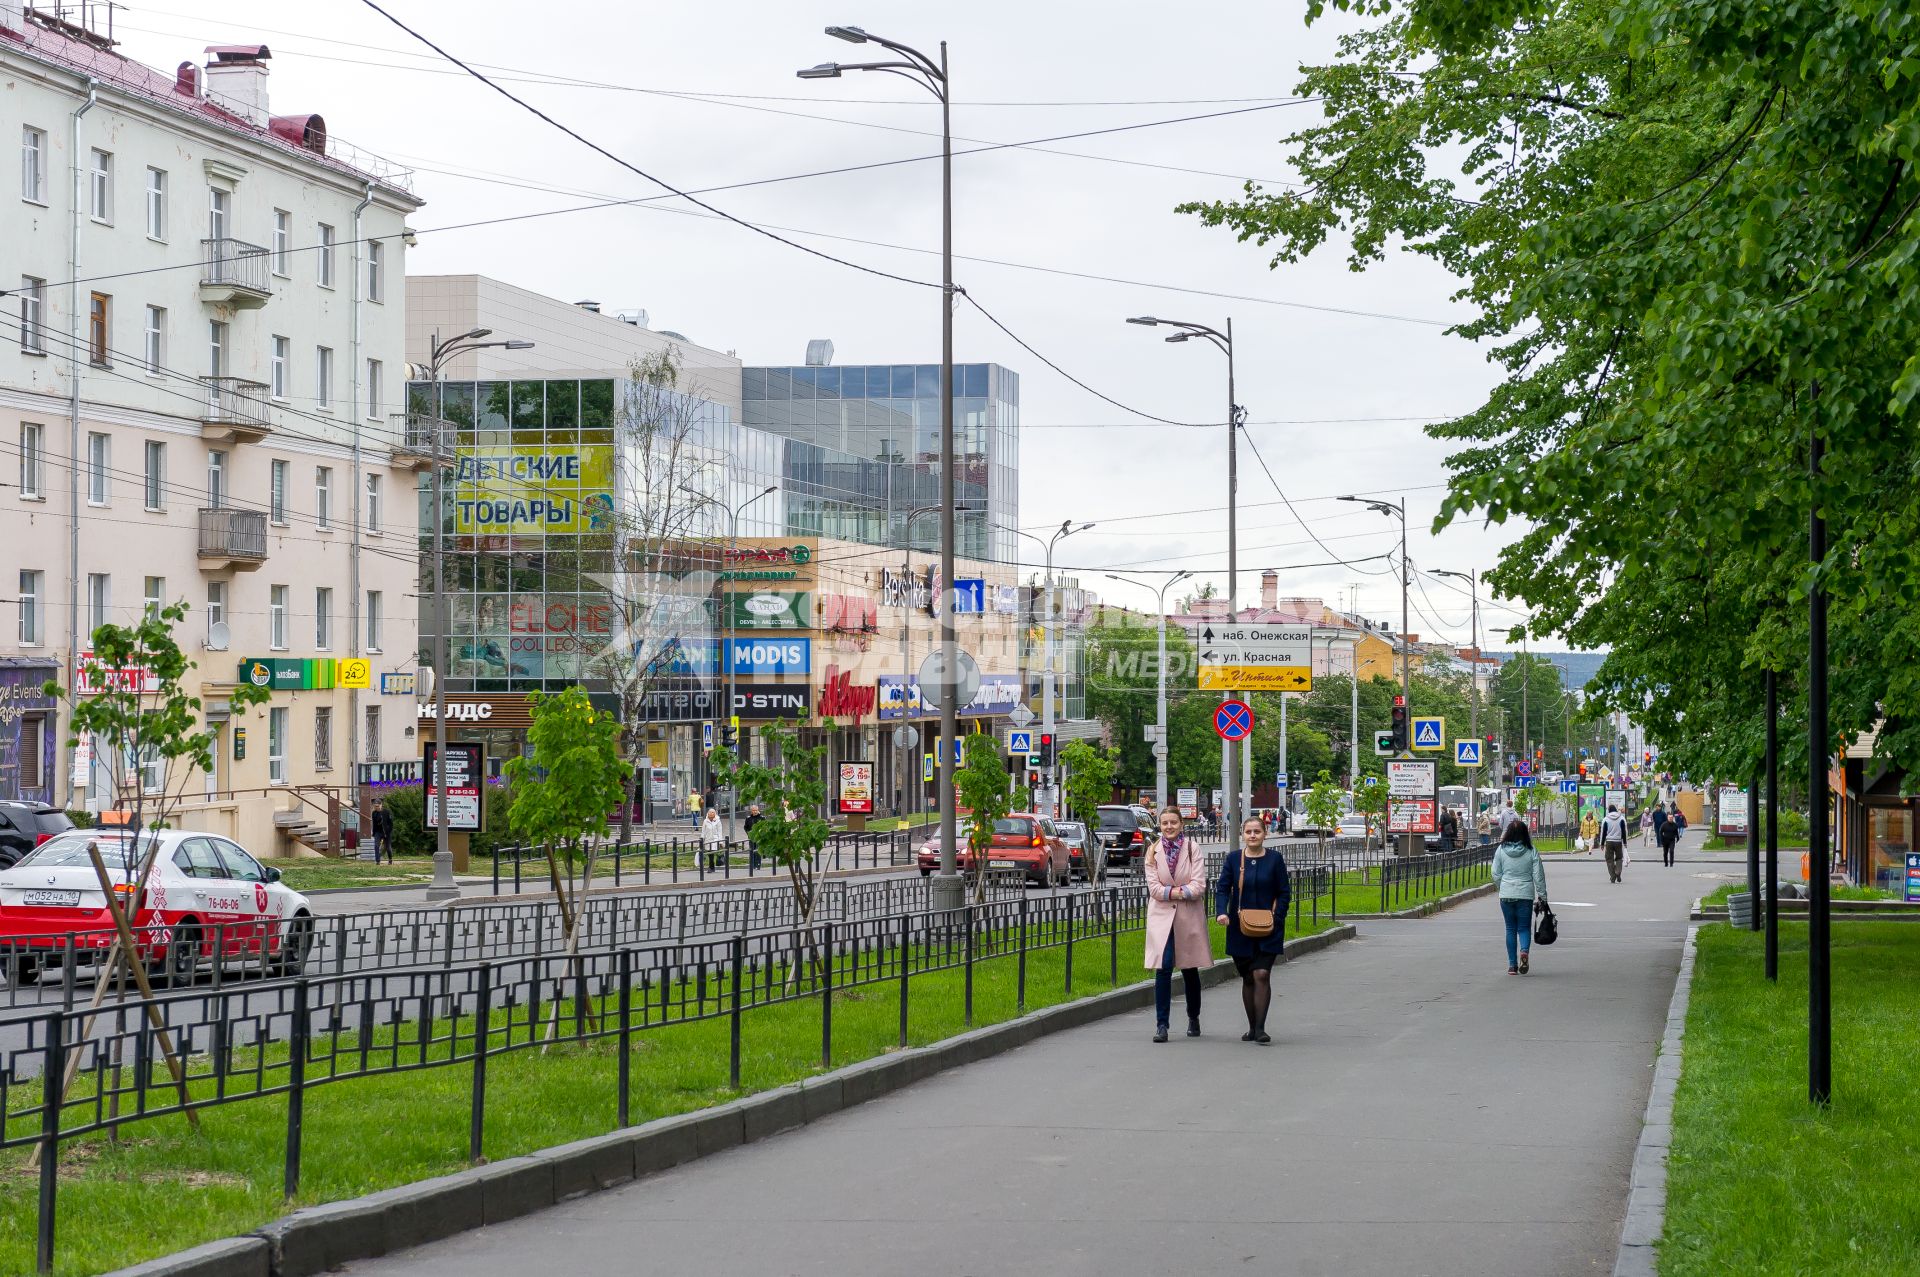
(205, 892)
(1352, 825)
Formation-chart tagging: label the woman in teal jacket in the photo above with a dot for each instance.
(1523, 880)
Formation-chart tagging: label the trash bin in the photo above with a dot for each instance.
(1740, 909)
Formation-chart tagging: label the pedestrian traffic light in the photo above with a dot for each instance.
(1399, 725)
(1033, 780)
(1046, 749)
(728, 737)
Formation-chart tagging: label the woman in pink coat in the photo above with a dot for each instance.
(1176, 876)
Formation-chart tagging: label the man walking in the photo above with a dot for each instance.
(1669, 835)
(753, 852)
(382, 831)
(1613, 833)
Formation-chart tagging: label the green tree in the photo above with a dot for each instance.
(791, 793)
(1122, 690)
(984, 788)
(1089, 783)
(1323, 804)
(1684, 228)
(1370, 800)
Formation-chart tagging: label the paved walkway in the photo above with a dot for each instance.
(1419, 1112)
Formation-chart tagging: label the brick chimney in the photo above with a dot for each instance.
(237, 80)
(1270, 590)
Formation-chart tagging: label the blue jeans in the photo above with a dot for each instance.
(1163, 987)
(1519, 919)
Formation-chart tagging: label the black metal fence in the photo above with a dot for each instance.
(673, 859)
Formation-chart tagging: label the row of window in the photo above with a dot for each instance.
(99, 605)
(152, 767)
(100, 206)
(154, 486)
(153, 349)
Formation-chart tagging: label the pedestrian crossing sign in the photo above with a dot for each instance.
(1429, 733)
(1020, 743)
(1466, 752)
(926, 767)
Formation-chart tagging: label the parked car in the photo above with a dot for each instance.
(1352, 825)
(24, 826)
(1124, 832)
(1074, 834)
(1021, 841)
(207, 898)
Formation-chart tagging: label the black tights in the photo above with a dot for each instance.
(1256, 994)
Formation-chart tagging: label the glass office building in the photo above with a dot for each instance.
(887, 416)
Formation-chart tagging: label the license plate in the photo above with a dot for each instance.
(66, 899)
(1002, 864)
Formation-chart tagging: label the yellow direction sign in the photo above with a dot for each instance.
(353, 672)
(1256, 678)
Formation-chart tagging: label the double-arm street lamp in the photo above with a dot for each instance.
(440, 352)
(931, 75)
(1067, 528)
(1186, 331)
(1160, 731)
(1398, 509)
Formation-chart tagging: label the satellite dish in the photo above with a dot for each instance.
(218, 636)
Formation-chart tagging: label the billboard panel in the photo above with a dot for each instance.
(533, 489)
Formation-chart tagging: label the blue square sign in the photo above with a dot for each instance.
(1466, 752)
(1429, 733)
(1020, 742)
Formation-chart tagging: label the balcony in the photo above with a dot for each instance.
(232, 539)
(236, 410)
(234, 273)
(415, 447)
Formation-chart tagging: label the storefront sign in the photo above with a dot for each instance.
(533, 489)
(856, 788)
(465, 774)
(770, 610)
(799, 555)
(398, 684)
(1730, 812)
(765, 701)
(1913, 877)
(26, 747)
(907, 589)
(92, 678)
(848, 614)
(679, 705)
(356, 672)
(770, 656)
(1006, 599)
(841, 697)
(288, 673)
(901, 698)
(511, 711)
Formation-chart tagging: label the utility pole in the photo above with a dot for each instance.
(1473, 685)
(1067, 528)
(1410, 843)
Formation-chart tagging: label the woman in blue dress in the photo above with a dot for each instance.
(1254, 877)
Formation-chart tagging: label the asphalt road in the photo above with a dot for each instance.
(1420, 1111)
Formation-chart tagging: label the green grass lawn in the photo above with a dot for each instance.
(1717, 898)
(306, 874)
(1759, 1181)
(163, 1187)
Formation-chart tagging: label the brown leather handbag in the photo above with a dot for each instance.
(1255, 924)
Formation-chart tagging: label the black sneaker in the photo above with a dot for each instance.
(1193, 1026)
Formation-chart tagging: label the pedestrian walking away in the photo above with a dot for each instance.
(1669, 836)
(1449, 831)
(1176, 877)
(1659, 814)
(1522, 880)
(1483, 826)
(1613, 835)
(382, 831)
(1254, 891)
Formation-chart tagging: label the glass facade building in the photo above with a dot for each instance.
(877, 431)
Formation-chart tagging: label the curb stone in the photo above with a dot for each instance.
(1647, 1186)
(1431, 906)
(316, 1238)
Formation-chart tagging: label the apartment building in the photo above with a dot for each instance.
(202, 367)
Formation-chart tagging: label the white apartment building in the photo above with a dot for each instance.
(202, 370)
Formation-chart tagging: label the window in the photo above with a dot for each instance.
(373, 620)
(98, 328)
(277, 618)
(282, 239)
(156, 475)
(216, 611)
(33, 311)
(323, 738)
(216, 348)
(326, 256)
(156, 203)
(218, 203)
(277, 745)
(33, 164)
(33, 459)
(277, 494)
(323, 377)
(153, 770)
(323, 618)
(281, 348)
(98, 453)
(32, 586)
(376, 271)
(323, 497)
(373, 503)
(100, 186)
(156, 595)
(216, 478)
(154, 352)
(371, 747)
(236, 863)
(99, 600)
(373, 389)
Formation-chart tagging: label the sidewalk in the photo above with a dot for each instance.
(1419, 1112)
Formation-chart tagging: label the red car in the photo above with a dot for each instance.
(1021, 841)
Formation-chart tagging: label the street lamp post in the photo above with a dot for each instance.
(726, 623)
(1473, 777)
(931, 75)
(1224, 341)
(1067, 528)
(443, 886)
(1399, 509)
(1160, 731)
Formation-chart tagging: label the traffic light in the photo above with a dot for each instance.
(1399, 724)
(728, 737)
(1646, 756)
(1046, 749)
(1033, 779)
(1583, 771)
